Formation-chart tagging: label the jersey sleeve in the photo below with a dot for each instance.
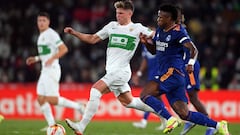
(183, 36)
(103, 33)
(56, 40)
(146, 31)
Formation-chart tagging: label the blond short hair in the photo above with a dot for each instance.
(124, 4)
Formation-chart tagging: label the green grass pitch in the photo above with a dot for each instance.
(32, 127)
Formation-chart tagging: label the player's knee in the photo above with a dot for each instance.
(95, 94)
(41, 99)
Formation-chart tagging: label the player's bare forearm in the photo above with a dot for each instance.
(87, 38)
(193, 56)
(32, 59)
(147, 41)
(62, 50)
(193, 50)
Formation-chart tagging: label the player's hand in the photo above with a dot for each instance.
(69, 30)
(30, 60)
(135, 80)
(143, 38)
(189, 68)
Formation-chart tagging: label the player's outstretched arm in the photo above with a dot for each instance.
(87, 38)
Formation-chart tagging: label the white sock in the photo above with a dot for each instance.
(68, 103)
(47, 113)
(137, 103)
(163, 120)
(144, 121)
(91, 108)
(218, 125)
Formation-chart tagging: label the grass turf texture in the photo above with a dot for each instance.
(32, 127)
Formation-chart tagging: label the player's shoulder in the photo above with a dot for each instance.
(179, 28)
(137, 24)
(112, 23)
(50, 31)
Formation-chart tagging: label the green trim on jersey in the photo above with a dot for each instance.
(43, 50)
(58, 41)
(122, 41)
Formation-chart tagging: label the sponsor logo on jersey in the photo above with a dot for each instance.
(160, 46)
(122, 41)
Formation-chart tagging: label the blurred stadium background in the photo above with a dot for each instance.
(214, 26)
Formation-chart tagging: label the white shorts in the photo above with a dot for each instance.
(48, 83)
(117, 81)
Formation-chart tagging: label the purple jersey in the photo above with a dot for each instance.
(170, 49)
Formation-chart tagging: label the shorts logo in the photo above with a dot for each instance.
(189, 86)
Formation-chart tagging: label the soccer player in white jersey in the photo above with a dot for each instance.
(123, 37)
(50, 49)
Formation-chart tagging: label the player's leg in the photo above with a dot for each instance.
(194, 99)
(149, 96)
(163, 120)
(122, 91)
(143, 122)
(46, 86)
(198, 118)
(178, 101)
(98, 89)
(129, 101)
(193, 87)
(46, 110)
(62, 101)
(180, 107)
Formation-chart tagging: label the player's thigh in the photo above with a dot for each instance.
(47, 86)
(151, 88)
(193, 95)
(116, 77)
(117, 82)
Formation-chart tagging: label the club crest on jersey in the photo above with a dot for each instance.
(168, 38)
(131, 29)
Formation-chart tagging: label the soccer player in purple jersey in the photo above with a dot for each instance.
(168, 45)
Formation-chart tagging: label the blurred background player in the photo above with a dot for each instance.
(192, 84)
(148, 64)
(50, 49)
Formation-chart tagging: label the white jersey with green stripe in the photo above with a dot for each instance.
(123, 41)
(48, 43)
